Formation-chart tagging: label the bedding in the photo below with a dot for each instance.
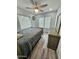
(30, 38)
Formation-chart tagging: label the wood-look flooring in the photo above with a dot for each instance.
(41, 51)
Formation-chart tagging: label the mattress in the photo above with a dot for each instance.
(30, 38)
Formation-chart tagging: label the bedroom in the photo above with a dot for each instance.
(40, 28)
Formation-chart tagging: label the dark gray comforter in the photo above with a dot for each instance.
(30, 37)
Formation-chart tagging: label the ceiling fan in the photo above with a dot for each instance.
(36, 6)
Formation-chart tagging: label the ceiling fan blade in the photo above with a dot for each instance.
(28, 7)
(42, 10)
(36, 3)
(32, 1)
(43, 5)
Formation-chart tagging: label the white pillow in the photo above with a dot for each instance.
(19, 36)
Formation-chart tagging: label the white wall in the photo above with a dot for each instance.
(58, 19)
(18, 25)
(58, 51)
(53, 20)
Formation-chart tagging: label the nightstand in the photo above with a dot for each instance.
(53, 40)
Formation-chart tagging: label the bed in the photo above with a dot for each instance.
(27, 42)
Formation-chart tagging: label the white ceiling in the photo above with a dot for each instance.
(22, 4)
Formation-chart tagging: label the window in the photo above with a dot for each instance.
(47, 22)
(25, 22)
(41, 22)
(44, 22)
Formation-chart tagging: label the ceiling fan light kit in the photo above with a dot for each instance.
(36, 10)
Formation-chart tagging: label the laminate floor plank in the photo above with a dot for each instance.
(41, 51)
